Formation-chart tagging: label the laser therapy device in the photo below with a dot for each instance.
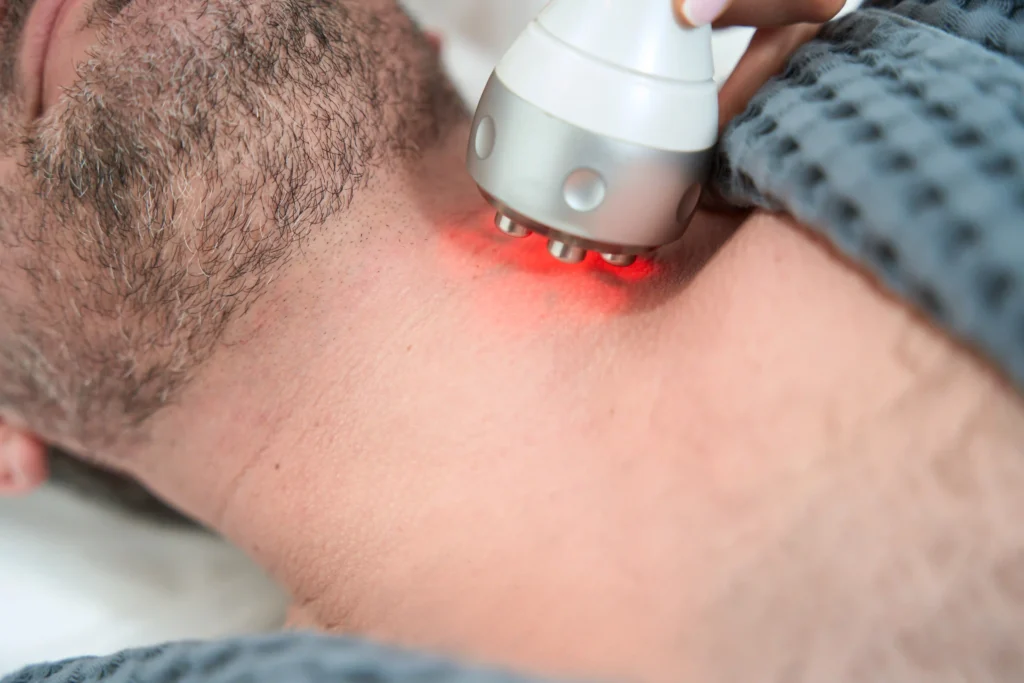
(596, 128)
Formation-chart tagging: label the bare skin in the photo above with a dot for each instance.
(23, 466)
(749, 437)
(741, 461)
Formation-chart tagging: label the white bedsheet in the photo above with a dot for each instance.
(76, 579)
(79, 579)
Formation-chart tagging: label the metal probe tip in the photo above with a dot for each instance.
(620, 260)
(510, 227)
(566, 253)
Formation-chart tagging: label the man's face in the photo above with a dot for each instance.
(159, 160)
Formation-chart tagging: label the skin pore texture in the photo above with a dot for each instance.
(241, 262)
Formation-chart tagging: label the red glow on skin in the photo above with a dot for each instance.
(518, 282)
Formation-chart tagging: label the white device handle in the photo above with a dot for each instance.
(610, 31)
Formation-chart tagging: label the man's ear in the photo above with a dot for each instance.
(23, 464)
(435, 39)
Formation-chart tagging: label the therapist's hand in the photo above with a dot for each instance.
(758, 13)
(767, 55)
(783, 26)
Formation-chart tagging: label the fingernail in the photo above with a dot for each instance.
(702, 12)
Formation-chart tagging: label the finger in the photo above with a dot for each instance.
(767, 56)
(759, 13)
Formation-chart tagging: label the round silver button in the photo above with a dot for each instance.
(584, 190)
(483, 141)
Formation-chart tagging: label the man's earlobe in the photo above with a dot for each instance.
(23, 465)
(435, 40)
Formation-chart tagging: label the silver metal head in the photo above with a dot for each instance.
(596, 128)
(580, 190)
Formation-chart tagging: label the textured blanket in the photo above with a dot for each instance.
(899, 135)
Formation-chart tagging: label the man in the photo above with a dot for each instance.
(243, 265)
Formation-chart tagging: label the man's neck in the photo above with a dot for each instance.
(425, 389)
(442, 438)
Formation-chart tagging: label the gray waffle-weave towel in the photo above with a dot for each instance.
(899, 135)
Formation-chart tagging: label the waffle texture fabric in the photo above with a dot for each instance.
(278, 658)
(898, 134)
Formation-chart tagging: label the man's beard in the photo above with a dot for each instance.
(200, 144)
(12, 23)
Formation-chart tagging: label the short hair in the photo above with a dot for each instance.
(202, 141)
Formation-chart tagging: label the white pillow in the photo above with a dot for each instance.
(79, 579)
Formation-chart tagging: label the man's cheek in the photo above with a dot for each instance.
(8, 169)
(12, 154)
(19, 255)
(74, 45)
